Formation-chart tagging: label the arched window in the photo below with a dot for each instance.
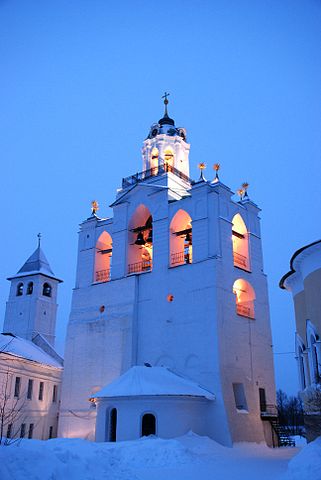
(46, 290)
(180, 242)
(19, 289)
(240, 239)
(29, 288)
(168, 159)
(154, 161)
(301, 357)
(140, 241)
(314, 352)
(244, 296)
(148, 425)
(103, 258)
(111, 425)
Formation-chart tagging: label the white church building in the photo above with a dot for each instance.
(169, 328)
(30, 367)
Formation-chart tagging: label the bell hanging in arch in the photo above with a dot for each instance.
(140, 239)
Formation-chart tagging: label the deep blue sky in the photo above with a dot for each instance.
(80, 84)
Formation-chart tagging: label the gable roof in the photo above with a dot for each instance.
(150, 381)
(19, 347)
(35, 264)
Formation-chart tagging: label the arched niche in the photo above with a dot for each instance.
(180, 240)
(244, 297)
(103, 257)
(314, 352)
(140, 241)
(240, 238)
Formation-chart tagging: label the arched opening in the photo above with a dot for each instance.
(180, 241)
(29, 288)
(154, 156)
(111, 425)
(19, 289)
(240, 240)
(148, 425)
(103, 258)
(244, 296)
(315, 374)
(46, 290)
(168, 159)
(140, 241)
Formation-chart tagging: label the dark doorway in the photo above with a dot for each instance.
(112, 425)
(262, 399)
(148, 425)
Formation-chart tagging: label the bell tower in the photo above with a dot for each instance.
(166, 146)
(32, 304)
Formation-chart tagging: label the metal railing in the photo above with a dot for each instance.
(244, 311)
(153, 172)
(268, 410)
(103, 275)
(180, 258)
(138, 267)
(240, 260)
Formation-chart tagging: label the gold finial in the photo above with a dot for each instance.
(94, 206)
(202, 167)
(166, 94)
(39, 239)
(216, 167)
(240, 193)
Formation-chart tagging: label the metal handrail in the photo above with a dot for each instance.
(153, 172)
(103, 275)
(239, 260)
(138, 267)
(244, 310)
(180, 258)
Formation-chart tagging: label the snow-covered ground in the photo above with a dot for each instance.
(187, 458)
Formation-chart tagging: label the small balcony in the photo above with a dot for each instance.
(244, 310)
(139, 267)
(268, 411)
(180, 258)
(153, 172)
(240, 261)
(102, 276)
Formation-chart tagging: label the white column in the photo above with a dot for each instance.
(306, 368)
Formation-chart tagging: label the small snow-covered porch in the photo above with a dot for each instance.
(150, 400)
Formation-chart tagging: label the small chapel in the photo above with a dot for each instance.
(169, 329)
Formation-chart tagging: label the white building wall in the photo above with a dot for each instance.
(42, 413)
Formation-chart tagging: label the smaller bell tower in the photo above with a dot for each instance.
(166, 146)
(32, 304)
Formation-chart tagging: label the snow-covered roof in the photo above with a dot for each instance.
(36, 263)
(19, 347)
(146, 381)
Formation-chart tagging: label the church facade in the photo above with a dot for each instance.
(169, 328)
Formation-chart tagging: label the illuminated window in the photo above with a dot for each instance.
(244, 296)
(154, 161)
(30, 288)
(19, 289)
(240, 243)
(168, 158)
(181, 244)
(140, 241)
(46, 291)
(103, 258)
